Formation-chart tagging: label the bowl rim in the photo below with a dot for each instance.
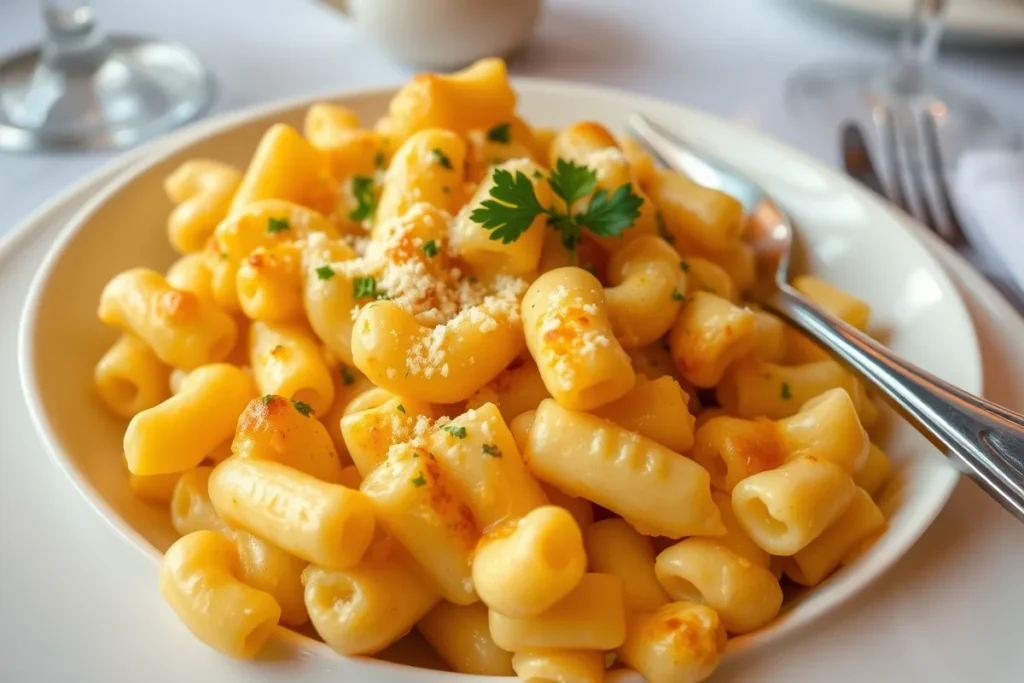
(869, 568)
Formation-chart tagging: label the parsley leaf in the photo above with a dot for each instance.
(442, 158)
(685, 266)
(267, 399)
(608, 215)
(500, 133)
(364, 286)
(786, 394)
(378, 159)
(347, 378)
(513, 205)
(431, 249)
(276, 225)
(491, 450)
(677, 295)
(572, 182)
(366, 202)
(512, 208)
(303, 408)
(419, 480)
(664, 234)
(325, 272)
(457, 432)
(401, 408)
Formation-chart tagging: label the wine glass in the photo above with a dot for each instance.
(84, 89)
(823, 96)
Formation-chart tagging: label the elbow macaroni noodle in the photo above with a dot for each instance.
(368, 407)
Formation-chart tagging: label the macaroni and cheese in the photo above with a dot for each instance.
(491, 382)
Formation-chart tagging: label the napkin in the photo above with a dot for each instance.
(988, 188)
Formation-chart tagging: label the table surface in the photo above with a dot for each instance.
(729, 57)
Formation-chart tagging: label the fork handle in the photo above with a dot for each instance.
(987, 439)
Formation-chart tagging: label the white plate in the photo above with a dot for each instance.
(981, 23)
(853, 240)
(76, 599)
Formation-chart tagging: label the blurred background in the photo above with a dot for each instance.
(745, 60)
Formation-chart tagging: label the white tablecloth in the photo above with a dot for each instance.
(729, 57)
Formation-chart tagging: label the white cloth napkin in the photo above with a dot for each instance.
(989, 189)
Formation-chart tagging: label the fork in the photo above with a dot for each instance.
(914, 179)
(986, 439)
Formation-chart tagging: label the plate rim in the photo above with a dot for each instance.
(959, 31)
(164, 147)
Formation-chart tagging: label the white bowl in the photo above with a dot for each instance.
(851, 239)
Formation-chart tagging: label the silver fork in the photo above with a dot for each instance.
(986, 439)
(914, 179)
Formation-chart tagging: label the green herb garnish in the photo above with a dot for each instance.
(267, 399)
(442, 158)
(366, 202)
(378, 159)
(786, 395)
(364, 287)
(401, 408)
(347, 378)
(677, 295)
(500, 133)
(325, 272)
(457, 432)
(685, 266)
(276, 225)
(303, 408)
(431, 249)
(419, 480)
(491, 450)
(513, 205)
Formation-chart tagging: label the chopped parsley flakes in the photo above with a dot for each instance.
(685, 266)
(500, 133)
(366, 202)
(347, 378)
(431, 249)
(401, 408)
(325, 272)
(364, 287)
(419, 480)
(276, 225)
(786, 394)
(303, 408)
(457, 432)
(491, 450)
(378, 159)
(267, 399)
(442, 158)
(677, 295)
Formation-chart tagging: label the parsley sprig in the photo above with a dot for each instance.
(513, 205)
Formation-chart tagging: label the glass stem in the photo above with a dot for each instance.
(73, 39)
(919, 43)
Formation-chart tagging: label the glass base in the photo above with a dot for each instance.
(139, 88)
(824, 97)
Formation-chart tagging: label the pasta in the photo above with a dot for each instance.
(495, 387)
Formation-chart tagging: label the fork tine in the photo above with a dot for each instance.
(948, 224)
(910, 172)
(892, 178)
